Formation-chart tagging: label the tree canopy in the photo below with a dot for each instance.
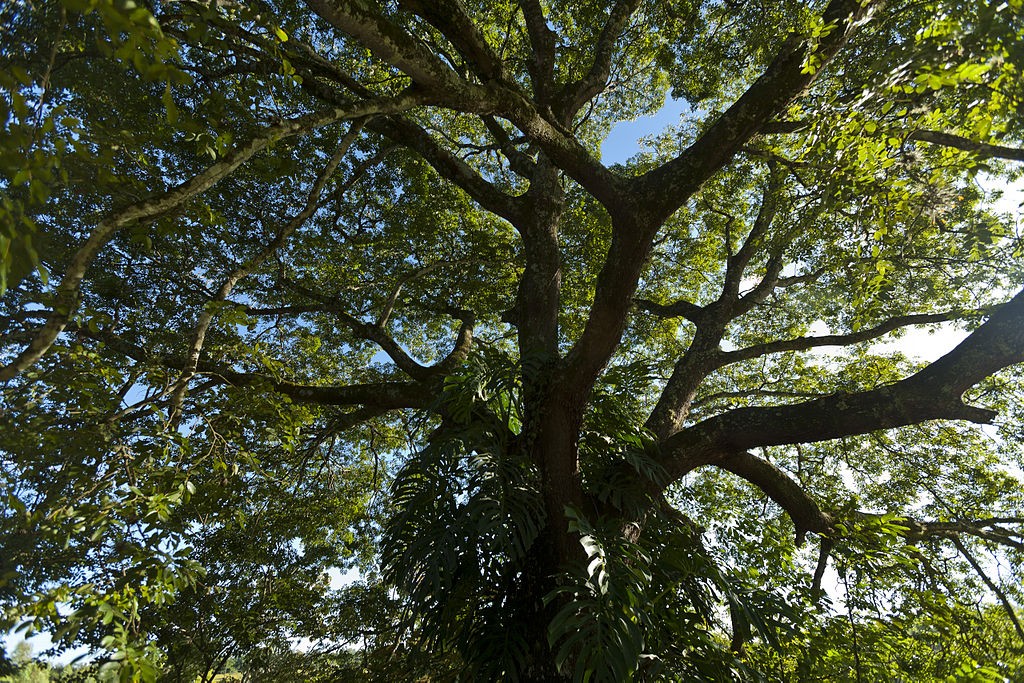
(289, 288)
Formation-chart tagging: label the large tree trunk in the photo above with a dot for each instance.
(539, 579)
(552, 418)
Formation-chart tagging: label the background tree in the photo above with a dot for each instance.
(28, 670)
(290, 285)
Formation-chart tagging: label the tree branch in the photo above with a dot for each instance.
(377, 333)
(389, 395)
(799, 279)
(736, 264)
(676, 309)
(575, 95)
(981, 149)
(824, 549)
(805, 343)
(808, 516)
(394, 46)
(452, 19)
(933, 393)
(518, 161)
(66, 298)
(412, 136)
(782, 489)
(542, 40)
(449, 166)
(935, 137)
(639, 206)
(463, 344)
(1007, 605)
(384, 395)
(243, 271)
(389, 43)
(704, 353)
(996, 535)
(719, 395)
(664, 189)
(768, 284)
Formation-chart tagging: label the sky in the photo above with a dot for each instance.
(624, 139)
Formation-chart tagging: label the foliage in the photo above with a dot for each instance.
(466, 512)
(302, 289)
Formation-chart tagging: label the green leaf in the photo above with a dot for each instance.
(169, 106)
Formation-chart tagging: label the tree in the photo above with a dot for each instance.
(29, 671)
(357, 269)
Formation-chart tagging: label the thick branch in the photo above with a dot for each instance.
(412, 136)
(933, 393)
(719, 395)
(703, 355)
(676, 309)
(567, 153)
(824, 549)
(449, 166)
(387, 344)
(935, 137)
(977, 528)
(452, 19)
(463, 344)
(737, 263)
(405, 362)
(667, 187)
(388, 42)
(980, 149)
(688, 372)
(639, 209)
(768, 284)
(377, 332)
(575, 95)
(390, 395)
(792, 280)
(777, 485)
(415, 138)
(807, 515)
(520, 162)
(542, 40)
